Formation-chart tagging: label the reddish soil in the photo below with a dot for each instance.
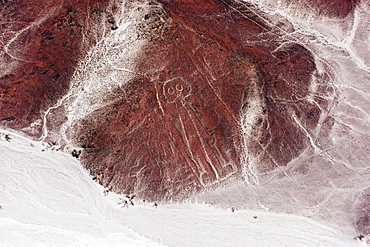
(40, 45)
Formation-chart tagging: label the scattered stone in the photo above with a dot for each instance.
(127, 201)
(76, 153)
(7, 138)
(360, 237)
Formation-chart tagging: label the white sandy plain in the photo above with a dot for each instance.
(47, 199)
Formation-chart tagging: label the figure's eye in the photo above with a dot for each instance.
(170, 90)
(179, 87)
